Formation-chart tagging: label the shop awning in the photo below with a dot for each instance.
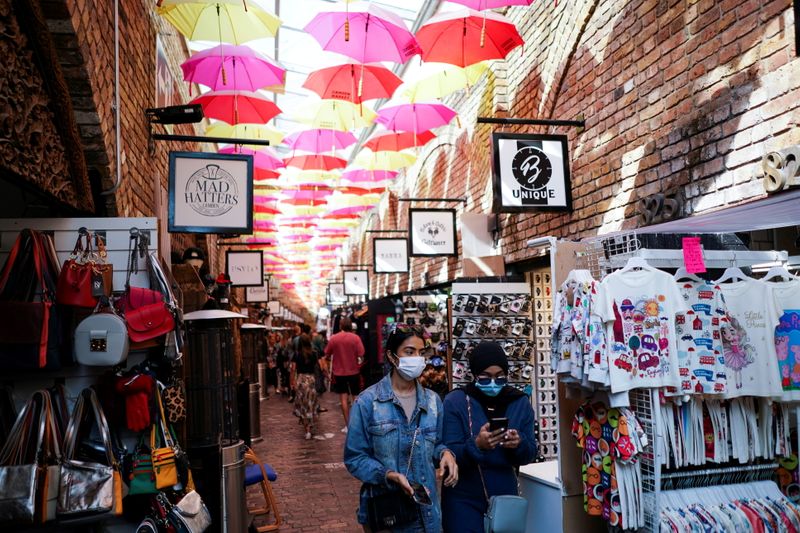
(774, 212)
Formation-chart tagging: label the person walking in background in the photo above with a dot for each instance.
(305, 397)
(319, 342)
(395, 440)
(488, 460)
(347, 353)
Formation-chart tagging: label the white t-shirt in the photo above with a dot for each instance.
(639, 308)
(748, 339)
(701, 364)
(787, 336)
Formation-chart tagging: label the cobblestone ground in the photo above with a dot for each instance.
(315, 492)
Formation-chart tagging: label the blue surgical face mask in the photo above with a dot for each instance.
(491, 389)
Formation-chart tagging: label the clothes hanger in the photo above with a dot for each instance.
(733, 273)
(636, 263)
(777, 273)
(682, 273)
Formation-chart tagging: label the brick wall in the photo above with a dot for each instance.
(679, 96)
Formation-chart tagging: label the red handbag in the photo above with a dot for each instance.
(80, 273)
(149, 321)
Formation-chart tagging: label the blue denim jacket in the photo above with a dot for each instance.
(379, 438)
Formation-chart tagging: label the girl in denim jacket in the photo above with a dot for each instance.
(394, 437)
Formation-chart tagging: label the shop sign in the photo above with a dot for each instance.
(390, 256)
(274, 307)
(245, 269)
(210, 193)
(254, 295)
(432, 232)
(531, 173)
(781, 169)
(356, 282)
(336, 294)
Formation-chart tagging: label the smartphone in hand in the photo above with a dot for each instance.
(498, 423)
(420, 495)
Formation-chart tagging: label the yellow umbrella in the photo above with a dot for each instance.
(296, 176)
(224, 21)
(301, 210)
(259, 132)
(384, 160)
(336, 115)
(441, 79)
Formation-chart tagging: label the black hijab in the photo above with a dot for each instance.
(484, 355)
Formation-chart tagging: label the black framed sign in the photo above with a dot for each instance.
(336, 294)
(530, 173)
(245, 268)
(210, 193)
(274, 307)
(432, 232)
(356, 282)
(390, 255)
(254, 295)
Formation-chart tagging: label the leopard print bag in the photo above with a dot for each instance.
(174, 399)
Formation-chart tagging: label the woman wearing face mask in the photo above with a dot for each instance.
(394, 438)
(487, 460)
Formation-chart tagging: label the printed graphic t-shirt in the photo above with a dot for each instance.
(639, 308)
(787, 337)
(748, 339)
(701, 364)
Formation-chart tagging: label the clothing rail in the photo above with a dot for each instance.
(720, 471)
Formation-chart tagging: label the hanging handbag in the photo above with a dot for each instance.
(142, 477)
(30, 331)
(189, 515)
(393, 508)
(101, 339)
(164, 465)
(87, 487)
(174, 399)
(28, 482)
(505, 513)
(86, 275)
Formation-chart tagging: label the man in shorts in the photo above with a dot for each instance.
(347, 353)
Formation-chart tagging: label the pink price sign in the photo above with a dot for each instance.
(693, 255)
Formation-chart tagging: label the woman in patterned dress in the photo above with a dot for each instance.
(305, 399)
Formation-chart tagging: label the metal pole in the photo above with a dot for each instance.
(460, 200)
(386, 231)
(532, 122)
(204, 139)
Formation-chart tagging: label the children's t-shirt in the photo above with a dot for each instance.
(701, 364)
(748, 339)
(639, 308)
(787, 337)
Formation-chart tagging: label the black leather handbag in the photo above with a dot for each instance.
(390, 509)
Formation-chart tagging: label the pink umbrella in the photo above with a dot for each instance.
(318, 140)
(315, 162)
(491, 4)
(235, 107)
(365, 33)
(352, 82)
(415, 117)
(232, 67)
(263, 158)
(354, 210)
(360, 175)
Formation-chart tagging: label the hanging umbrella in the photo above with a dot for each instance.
(234, 107)
(336, 115)
(222, 21)
(295, 176)
(464, 37)
(260, 132)
(415, 117)
(317, 141)
(370, 160)
(367, 176)
(351, 210)
(232, 67)
(262, 158)
(364, 32)
(353, 83)
(441, 79)
(394, 142)
(491, 4)
(315, 162)
(263, 174)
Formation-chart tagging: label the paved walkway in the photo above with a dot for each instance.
(315, 492)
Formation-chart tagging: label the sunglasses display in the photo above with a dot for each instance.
(546, 397)
(428, 313)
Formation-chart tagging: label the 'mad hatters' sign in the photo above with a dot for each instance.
(531, 173)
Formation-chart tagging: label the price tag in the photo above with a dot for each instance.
(693, 255)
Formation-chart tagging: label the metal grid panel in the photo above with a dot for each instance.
(546, 396)
(644, 405)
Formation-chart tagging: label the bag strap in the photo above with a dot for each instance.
(75, 422)
(14, 451)
(137, 247)
(480, 471)
(27, 241)
(168, 442)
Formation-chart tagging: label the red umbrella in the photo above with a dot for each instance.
(264, 174)
(315, 162)
(390, 141)
(464, 37)
(234, 107)
(352, 82)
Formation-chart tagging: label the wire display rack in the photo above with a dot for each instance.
(644, 404)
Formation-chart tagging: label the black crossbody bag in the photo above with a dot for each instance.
(392, 508)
